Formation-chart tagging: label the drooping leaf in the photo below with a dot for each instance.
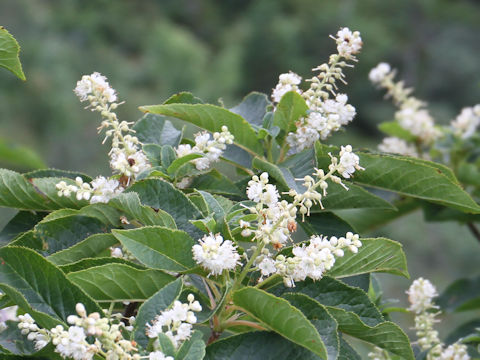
(375, 255)
(9, 50)
(158, 247)
(155, 129)
(36, 284)
(212, 118)
(281, 317)
(119, 282)
(154, 305)
(162, 195)
(21, 222)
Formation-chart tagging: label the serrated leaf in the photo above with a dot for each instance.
(461, 295)
(162, 195)
(253, 108)
(43, 286)
(183, 97)
(290, 108)
(212, 118)
(129, 204)
(55, 173)
(281, 317)
(155, 129)
(9, 50)
(64, 232)
(258, 345)
(158, 247)
(88, 263)
(90, 247)
(320, 318)
(375, 255)
(37, 194)
(413, 179)
(115, 282)
(153, 306)
(21, 222)
(393, 128)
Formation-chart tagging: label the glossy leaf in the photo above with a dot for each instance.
(281, 317)
(290, 108)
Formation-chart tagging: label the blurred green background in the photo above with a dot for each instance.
(220, 51)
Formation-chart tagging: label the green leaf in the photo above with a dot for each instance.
(193, 348)
(88, 263)
(347, 352)
(461, 295)
(355, 314)
(281, 317)
(162, 195)
(375, 255)
(90, 247)
(393, 128)
(129, 204)
(37, 194)
(258, 345)
(158, 247)
(212, 118)
(325, 223)
(290, 108)
(21, 222)
(55, 173)
(64, 232)
(463, 331)
(215, 183)
(9, 50)
(120, 282)
(434, 212)
(155, 129)
(153, 153)
(414, 179)
(253, 108)
(320, 318)
(183, 97)
(18, 156)
(160, 301)
(43, 286)
(12, 340)
(177, 163)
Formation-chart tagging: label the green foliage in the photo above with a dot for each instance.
(9, 50)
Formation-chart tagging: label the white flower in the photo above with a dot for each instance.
(116, 252)
(64, 189)
(348, 43)
(466, 123)
(344, 112)
(380, 72)
(420, 295)
(286, 82)
(394, 145)
(183, 150)
(455, 352)
(158, 355)
(418, 122)
(215, 254)
(6, 314)
(104, 190)
(349, 162)
(96, 85)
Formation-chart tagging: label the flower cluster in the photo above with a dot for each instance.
(176, 322)
(211, 149)
(215, 254)
(92, 334)
(326, 115)
(126, 156)
(100, 190)
(420, 296)
(311, 260)
(466, 123)
(411, 115)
